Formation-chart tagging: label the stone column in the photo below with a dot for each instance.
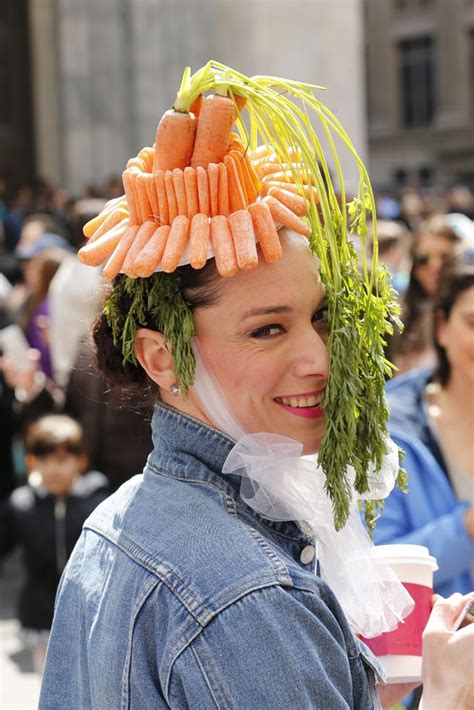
(453, 65)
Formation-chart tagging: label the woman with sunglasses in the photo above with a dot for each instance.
(433, 248)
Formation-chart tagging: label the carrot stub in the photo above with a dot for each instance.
(203, 190)
(244, 239)
(141, 238)
(113, 218)
(213, 132)
(162, 198)
(174, 145)
(223, 191)
(190, 186)
(286, 217)
(94, 253)
(213, 175)
(146, 210)
(115, 262)
(150, 256)
(295, 203)
(152, 194)
(127, 179)
(179, 191)
(223, 245)
(170, 196)
(265, 231)
(199, 240)
(175, 243)
(236, 194)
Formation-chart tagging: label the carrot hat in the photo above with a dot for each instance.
(203, 191)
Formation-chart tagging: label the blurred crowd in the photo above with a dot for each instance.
(68, 440)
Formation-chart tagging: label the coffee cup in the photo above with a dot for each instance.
(400, 650)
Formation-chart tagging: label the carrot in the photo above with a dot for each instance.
(237, 199)
(141, 238)
(115, 262)
(240, 102)
(213, 133)
(238, 164)
(196, 106)
(174, 145)
(265, 168)
(286, 176)
(179, 191)
(203, 190)
(199, 240)
(95, 253)
(236, 144)
(152, 194)
(282, 214)
(295, 203)
(93, 224)
(223, 191)
(170, 196)
(265, 230)
(252, 185)
(291, 187)
(162, 198)
(150, 256)
(213, 175)
(128, 184)
(244, 239)
(147, 155)
(223, 245)
(141, 193)
(136, 162)
(260, 152)
(190, 186)
(175, 243)
(111, 221)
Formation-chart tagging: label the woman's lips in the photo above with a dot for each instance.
(310, 406)
(307, 412)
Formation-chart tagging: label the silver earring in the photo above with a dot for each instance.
(175, 390)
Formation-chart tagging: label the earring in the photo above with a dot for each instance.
(175, 390)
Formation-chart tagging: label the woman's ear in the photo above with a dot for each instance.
(155, 358)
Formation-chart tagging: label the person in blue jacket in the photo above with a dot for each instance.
(432, 420)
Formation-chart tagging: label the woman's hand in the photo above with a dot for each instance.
(448, 657)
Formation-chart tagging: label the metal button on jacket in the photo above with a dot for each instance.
(307, 554)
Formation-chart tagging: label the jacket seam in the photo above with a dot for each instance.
(205, 676)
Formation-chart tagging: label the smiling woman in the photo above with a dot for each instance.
(236, 302)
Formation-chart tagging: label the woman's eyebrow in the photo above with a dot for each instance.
(265, 311)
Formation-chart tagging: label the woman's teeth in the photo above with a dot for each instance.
(298, 401)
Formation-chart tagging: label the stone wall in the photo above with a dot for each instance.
(119, 63)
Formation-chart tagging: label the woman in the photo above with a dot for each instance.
(432, 420)
(179, 593)
(433, 248)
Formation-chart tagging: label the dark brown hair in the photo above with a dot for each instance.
(453, 285)
(199, 289)
(54, 433)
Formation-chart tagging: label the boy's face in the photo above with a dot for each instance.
(58, 470)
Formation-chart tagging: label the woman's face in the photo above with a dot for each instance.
(432, 254)
(264, 340)
(456, 336)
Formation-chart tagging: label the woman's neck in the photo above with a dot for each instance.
(458, 393)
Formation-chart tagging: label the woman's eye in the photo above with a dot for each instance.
(321, 317)
(267, 331)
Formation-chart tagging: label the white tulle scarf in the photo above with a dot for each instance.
(280, 483)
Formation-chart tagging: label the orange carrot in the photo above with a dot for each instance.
(93, 224)
(244, 239)
(162, 198)
(291, 187)
(295, 203)
(175, 244)
(96, 252)
(170, 196)
(265, 168)
(213, 133)
(223, 245)
(238, 164)
(240, 102)
(252, 184)
(213, 175)
(223, 191)
(237, 199)
(190, 186)
(128, 181)
(286, 176)
(141, 238)
(136, 162)
(141, 193)
(286, 217)
(147, 155)
(203, 190)
(115, 262)
(150, 256)
(196, 106)
(179, 191)
(265, 231)
(174, 145)
(111, 221)
(236, 144)
(152, 194)
(199, 240)
(260, 152)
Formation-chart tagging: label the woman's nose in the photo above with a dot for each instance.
(311, 356)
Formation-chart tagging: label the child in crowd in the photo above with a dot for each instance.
(45, 517)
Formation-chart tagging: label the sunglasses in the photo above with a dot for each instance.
(424, 259)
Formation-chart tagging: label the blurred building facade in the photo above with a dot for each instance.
(104, 71)
(420, 71)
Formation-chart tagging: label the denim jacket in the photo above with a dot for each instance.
(179, 595)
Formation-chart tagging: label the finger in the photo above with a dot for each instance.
(444, 612)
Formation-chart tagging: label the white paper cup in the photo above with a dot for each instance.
(400, 650)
